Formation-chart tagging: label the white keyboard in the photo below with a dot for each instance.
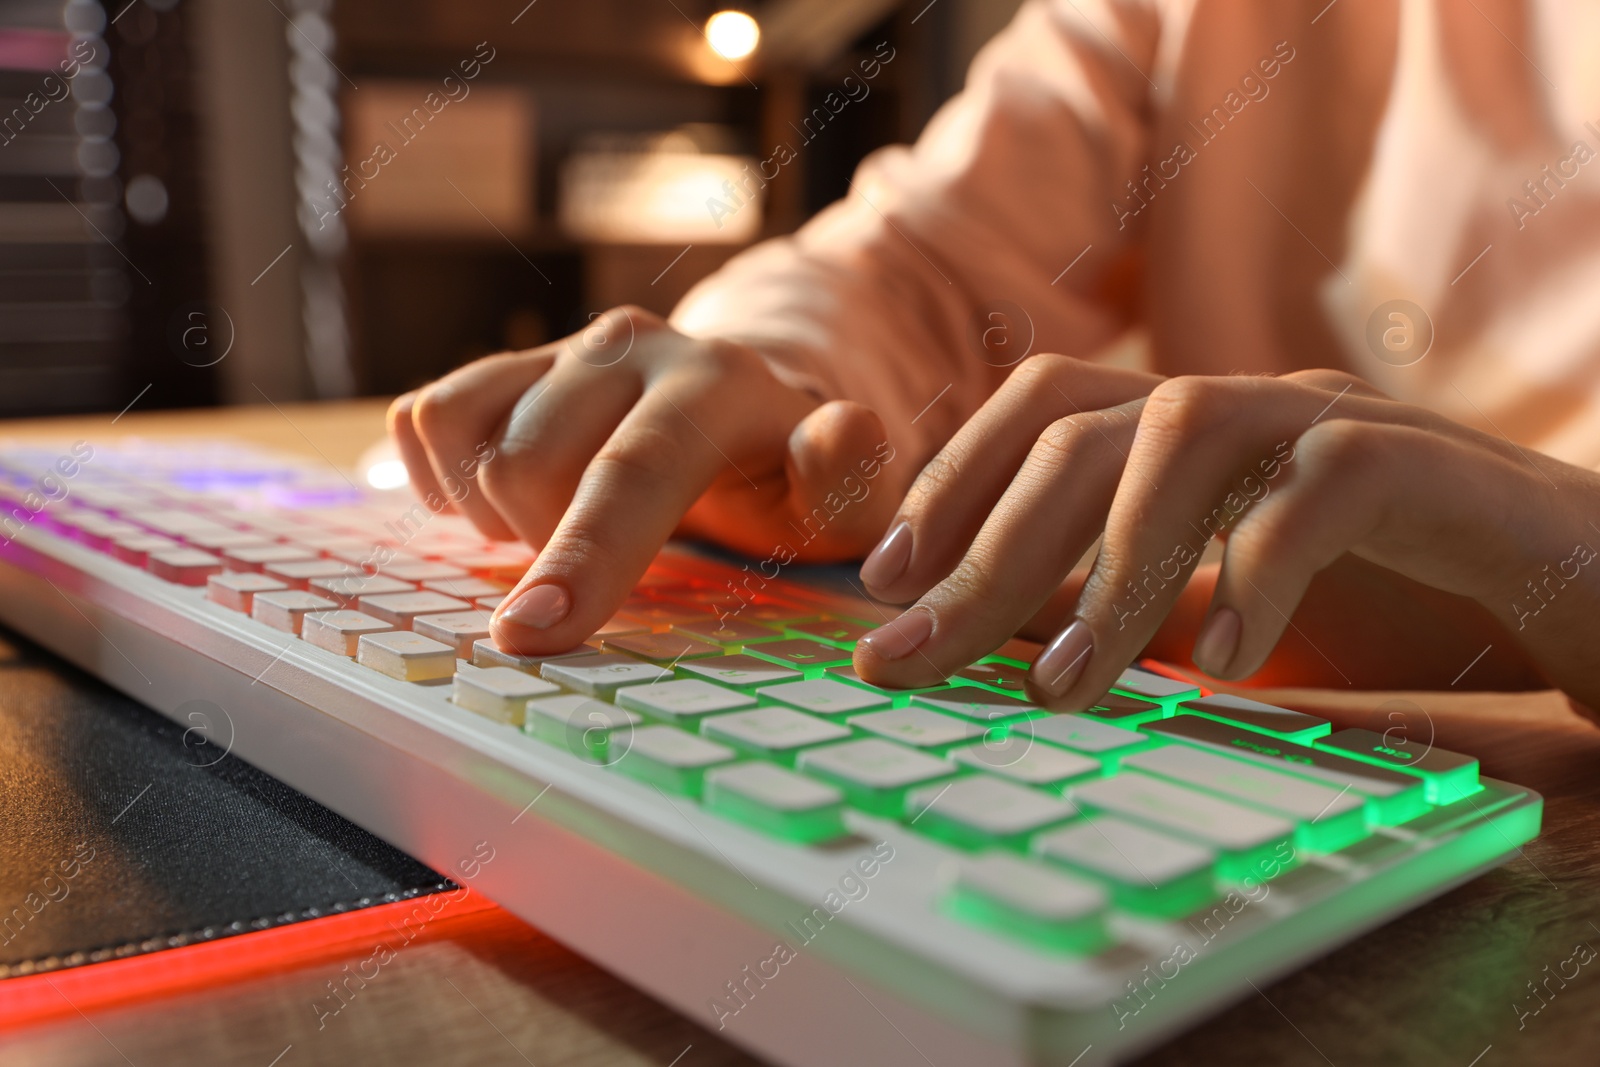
(705, 798)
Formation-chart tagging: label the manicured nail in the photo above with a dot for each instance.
(900, 638)
(1059, 665)
(1214, 649)
(539, 608)
(888, 561)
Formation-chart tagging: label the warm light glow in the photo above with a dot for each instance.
(733, 34)
(387, 474)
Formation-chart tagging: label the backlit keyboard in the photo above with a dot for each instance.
(707, 799)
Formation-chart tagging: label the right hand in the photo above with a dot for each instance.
(609, 441)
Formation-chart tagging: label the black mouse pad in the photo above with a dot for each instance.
(123, 832)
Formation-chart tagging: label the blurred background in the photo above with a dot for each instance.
(233, 201)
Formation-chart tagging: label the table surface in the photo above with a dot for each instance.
(1450, 983)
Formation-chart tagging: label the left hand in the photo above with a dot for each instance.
(1292, 473)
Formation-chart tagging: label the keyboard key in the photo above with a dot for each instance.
(136, 550)
(589, 729)
(1022, 759)
(1147, 871)
(1244, 836)
(426, 572)
(467, 588)
(838, 631)
(875, 774)
(785, 614)
(1327, 819)
(601, 674)
(1080, 733)
(1035, 904)
(253, 557)
(823, 696)
(999, 675)
(742, 672)
(459, 629)
(348, 589)
(776, 801)
(1125, 710)
(407, 656)
(1394, 797)
(486, 654)
(618, 625)
(340, 631)
(285, 610)
(848, 675)
(185, 566)
(800, 653)
(1447, 776)
(401, 609)
(498, 693)
(220, 540)
(684, 701)
(918, 727)
(673, 760)
(489, 603)
(983, 812)
(1157, 687)
(233, 589)
(972, 702)
(727, 632)
(297, 573)
(776, 734)
(663, 647)
(1289, 725)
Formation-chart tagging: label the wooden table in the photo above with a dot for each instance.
(1446, 984)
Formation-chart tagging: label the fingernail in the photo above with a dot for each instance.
(1059, 665)
(539, 608)
(900, 638)
(1214, 649)
(888, 561)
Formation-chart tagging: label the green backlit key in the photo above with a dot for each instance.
(683, 702)
(823, 696)
(1022, 759)
(1244, 836)
(776, 801)
(1003, 676)
(1447, 776)
(801, 653)
(843, 632)
(1046, 908)
(900, 697)
(671, 759)
(1393, 796)
(601, 674)
(1327, 819)
(1146, 871)
(742, 672)
(1080, 733)
(1157, 687)
(919, 728)
(1281, 722)
(973, 702)
(874, 774)
(726, 632)
(662, 648)
(776, 734)
(1125, 710)
(582, 726)
(982, 812)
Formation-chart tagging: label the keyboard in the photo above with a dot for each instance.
(705, 798)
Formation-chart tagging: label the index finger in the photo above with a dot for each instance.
(666, 452)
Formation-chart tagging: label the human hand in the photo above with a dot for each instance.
(1293, 473)
(608, 441)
